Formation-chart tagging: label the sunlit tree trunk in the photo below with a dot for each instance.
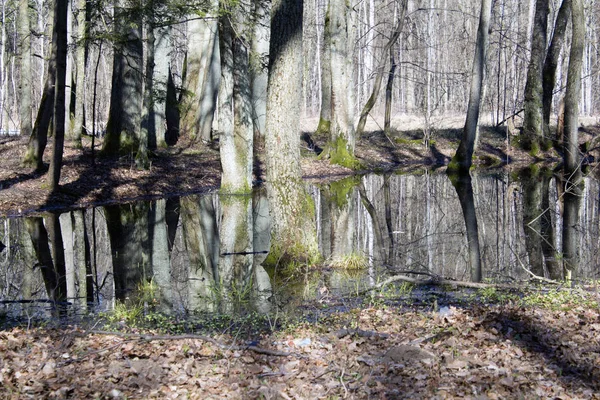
(160, 81)
(25, 64)
(259, 73)
(201, 82)
(325, 50)
(293, 230)
(463, 158)
(342, 139)
(237, 145)
(160, 260)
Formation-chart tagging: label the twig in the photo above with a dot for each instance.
(533, 276)
(342, 333)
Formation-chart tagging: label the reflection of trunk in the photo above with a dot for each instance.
(202, 243)
(570, 234)
(261, 241)
(160, 261)
(128, 231)
(532, 221)
(379, 242)
(101, 262)
(325, 226)
(39, 237)
(172, 218)
(554, 270)
(73, 234)
(235, 270)
(388, 214)
(342, 203)
(464, 189)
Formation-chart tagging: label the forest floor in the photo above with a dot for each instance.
(193, 167)
(500, 345)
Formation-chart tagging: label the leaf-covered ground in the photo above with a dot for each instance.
(382, 352)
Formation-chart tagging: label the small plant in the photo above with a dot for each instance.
(351, 262)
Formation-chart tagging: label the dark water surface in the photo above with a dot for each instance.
(205, 253)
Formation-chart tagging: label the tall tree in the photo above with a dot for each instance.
(259, 59)
(341, 47)
(293, 231)
(236, 143)
(81, 45)
(59, 49)
(325, 113)
(25, 64)
(124, 120)
(463, 158)
(201, 83)
(533, 133)
(552, 58)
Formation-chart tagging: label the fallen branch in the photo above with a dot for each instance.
(359, 332)
(435, 281)
(148, 338)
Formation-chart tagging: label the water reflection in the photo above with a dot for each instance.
(205, 253)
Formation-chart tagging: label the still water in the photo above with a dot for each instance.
(205, 253)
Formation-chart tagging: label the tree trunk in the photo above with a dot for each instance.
(533, 133)
(147, 128)
(325, 113)
(201, 85)
(259, 73)
(124, 120)
(160, 81)
(388, 94)
(81, 44)
(59, 50)
(25, 64)
(464, 188)
(572, 158)
(552, 58)
(343, 138)
(381, 70)
(463, 159)
(293, 230)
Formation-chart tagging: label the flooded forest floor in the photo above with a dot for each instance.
(194, 167)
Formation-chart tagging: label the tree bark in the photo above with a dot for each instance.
(551, 62)
(259, 73)
(463, 159)
(343, 135)
(124, 120)
(201, 85)
(59, 49)
(325, 113)
(24, 32)
(293, 230)
(81, 44)
(533, 133)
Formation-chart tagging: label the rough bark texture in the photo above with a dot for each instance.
(122, 130)
(25, 63)
(342, 141)
(325, 114)
(293, 230)
(572, 158)
(552, 58)
(160, 81)
(259, 72)
(201, 85)
(463, 158)
(533, 133)
(59, 48)
(237, 145)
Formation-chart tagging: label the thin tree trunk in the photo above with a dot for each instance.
(80, 72)
(388, 94)
(25, 64)
(325, 113)
(59, 50)
(463, 158)
(381, 70)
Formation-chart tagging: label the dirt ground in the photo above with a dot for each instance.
(195, 167)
